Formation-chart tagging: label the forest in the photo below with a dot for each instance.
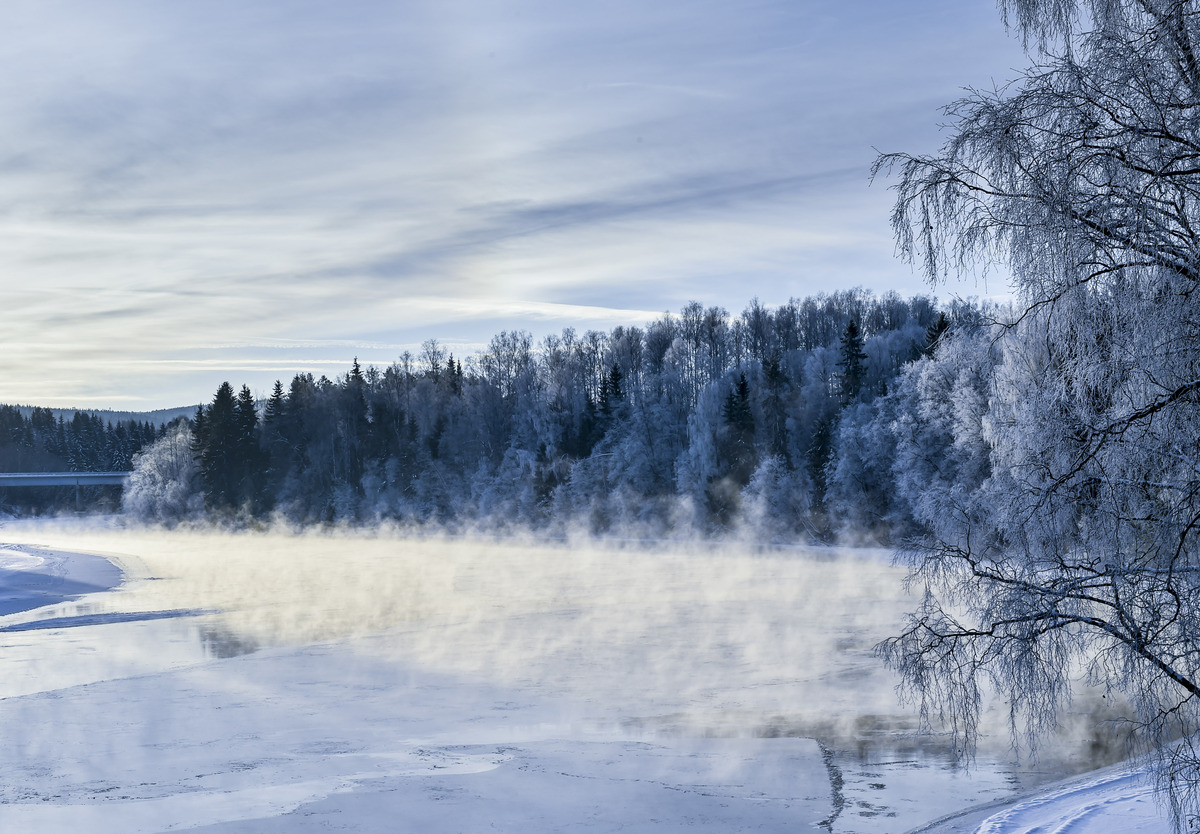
(793, 423)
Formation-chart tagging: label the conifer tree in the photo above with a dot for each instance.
(455, 373)
(217, 439)
(199, 427)
(249, 460)
(353, 428)
(610, 391)
(935, 332)
(739, 424)
(274, 444)
(775, 411)
(615, 391)
(854, 370)
(274, 410)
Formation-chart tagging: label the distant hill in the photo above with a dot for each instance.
(159, 417)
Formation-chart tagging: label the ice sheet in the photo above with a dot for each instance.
(369, 684)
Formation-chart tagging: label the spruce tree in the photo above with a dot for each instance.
(248, 455)
(455, 374)
(739, 423)
(274, 443)
(610, 391)
(934, 333)
(217, 438)
(615, 392)
(775, 408)
(854, 371)
(274, 410)
(353, 429)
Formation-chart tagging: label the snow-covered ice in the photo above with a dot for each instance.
(29, 579)
(1115, 799)
(264, 682)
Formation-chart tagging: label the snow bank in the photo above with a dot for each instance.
(1115, 799)
(31, 578)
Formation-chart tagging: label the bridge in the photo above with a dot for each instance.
(52, 479)
(25, 479)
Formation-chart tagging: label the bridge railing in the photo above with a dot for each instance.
(25, 479)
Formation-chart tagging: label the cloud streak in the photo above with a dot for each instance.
(179, 176)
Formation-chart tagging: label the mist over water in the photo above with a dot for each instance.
(655, 640)
(668, 628)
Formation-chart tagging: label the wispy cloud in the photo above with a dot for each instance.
(180, 176)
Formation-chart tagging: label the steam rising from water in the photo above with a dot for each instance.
(688, 639)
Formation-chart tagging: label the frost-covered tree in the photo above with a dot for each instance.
(776, 502)
(859, 486)
(697, 420)
(1080, 546)
(164, 485)
(936, 416)
(700, 472)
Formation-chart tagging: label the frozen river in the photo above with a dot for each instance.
(272, 682)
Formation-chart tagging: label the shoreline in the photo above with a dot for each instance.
(1072, 799)
(34, 576)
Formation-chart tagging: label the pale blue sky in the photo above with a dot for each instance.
(215, 189)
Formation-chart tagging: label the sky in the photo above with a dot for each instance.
(246, 189)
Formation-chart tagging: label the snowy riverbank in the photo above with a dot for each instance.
(431, 685)
(34, 578)
(1114, 799)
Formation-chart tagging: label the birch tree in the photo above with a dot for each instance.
(1079, 549)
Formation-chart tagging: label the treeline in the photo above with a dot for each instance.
(40, 442)
(699, 419)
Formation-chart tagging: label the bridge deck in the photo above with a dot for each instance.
(24, 479)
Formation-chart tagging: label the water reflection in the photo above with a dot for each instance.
(219, 642)
(50, 653)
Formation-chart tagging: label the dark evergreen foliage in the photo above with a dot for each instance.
(216, 450)
(935, 333)
(851, 363)
(739, 451)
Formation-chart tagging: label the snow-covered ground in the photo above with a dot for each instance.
(32, 579)
(270, 682)
(1114, 800)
